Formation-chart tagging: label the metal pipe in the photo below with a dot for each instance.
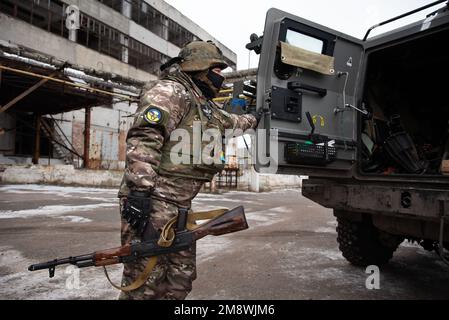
(222, 99)
(240, 75)
(401, 16)
(70, 72)
(80, 86)
(87, 123)
(50, 61)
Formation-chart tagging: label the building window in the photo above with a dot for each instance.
(151, 19)
(144, 57)
(100, 37)
(45, 14)
(114, 4)
(178, 35)
(50, 16)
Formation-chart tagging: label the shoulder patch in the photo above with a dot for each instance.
(153, 115)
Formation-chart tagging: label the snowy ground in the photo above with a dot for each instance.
(289, 252)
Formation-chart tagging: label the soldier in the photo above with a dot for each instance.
(154, 188)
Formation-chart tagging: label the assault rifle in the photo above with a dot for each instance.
(230, 221)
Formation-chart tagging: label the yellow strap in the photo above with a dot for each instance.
(166, 240)
(141, 279)
(193, 217)
(168, 234)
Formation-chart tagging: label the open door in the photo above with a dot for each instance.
(307, 88)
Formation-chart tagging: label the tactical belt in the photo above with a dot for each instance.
(166, 240)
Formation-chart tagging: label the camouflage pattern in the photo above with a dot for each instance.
(178, 100)
(173, 274)
(200, 56)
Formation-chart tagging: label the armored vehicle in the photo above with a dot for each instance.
(367, 121)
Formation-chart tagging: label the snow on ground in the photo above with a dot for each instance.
(200, 198)
(92, 194)
(325, 230)
(207, 250)
(51, 211)
(16, 282)
(409, 244)
(75, 219)
(69, 283)
(266, 217)
(211, 247)
(56, 190)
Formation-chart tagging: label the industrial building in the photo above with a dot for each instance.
(71, 71)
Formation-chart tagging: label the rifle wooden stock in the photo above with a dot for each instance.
(231, 221)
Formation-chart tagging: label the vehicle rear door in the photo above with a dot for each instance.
(307, 87)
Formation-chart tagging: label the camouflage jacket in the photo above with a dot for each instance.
(167, 104)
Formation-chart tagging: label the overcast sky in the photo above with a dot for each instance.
(232, 21)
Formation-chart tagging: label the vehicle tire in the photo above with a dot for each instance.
(362, 244)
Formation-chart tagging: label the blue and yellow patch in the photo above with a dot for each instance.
(153, 115)
(223, 157)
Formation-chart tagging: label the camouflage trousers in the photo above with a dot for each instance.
(172, 277)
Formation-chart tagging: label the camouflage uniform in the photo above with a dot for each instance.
(172, 102)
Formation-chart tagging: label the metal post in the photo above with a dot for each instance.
(37, 138)
(441, 251)
(50, 146)
(87, 123)
(213, 185)
(254, 183)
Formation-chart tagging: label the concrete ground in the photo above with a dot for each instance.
(289, 252)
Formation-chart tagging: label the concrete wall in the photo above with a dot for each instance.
(13, 161)
(190, 25)
(29, 36)
(120, 22)
(253, 181)
(61, 175)
(109, 125)
(67, 175)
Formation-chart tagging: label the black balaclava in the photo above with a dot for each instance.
(208, 82)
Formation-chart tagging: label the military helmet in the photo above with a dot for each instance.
(200, 56)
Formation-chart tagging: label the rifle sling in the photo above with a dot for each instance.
(141, 279)
(166, 240)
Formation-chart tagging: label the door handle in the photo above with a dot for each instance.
(298, 87)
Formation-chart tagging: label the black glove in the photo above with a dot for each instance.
(256, 113)
(136, 210)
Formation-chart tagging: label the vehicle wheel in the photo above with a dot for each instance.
(362, 244)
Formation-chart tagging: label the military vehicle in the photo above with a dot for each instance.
(367, 121)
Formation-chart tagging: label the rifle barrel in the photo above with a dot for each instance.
(80, 261)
